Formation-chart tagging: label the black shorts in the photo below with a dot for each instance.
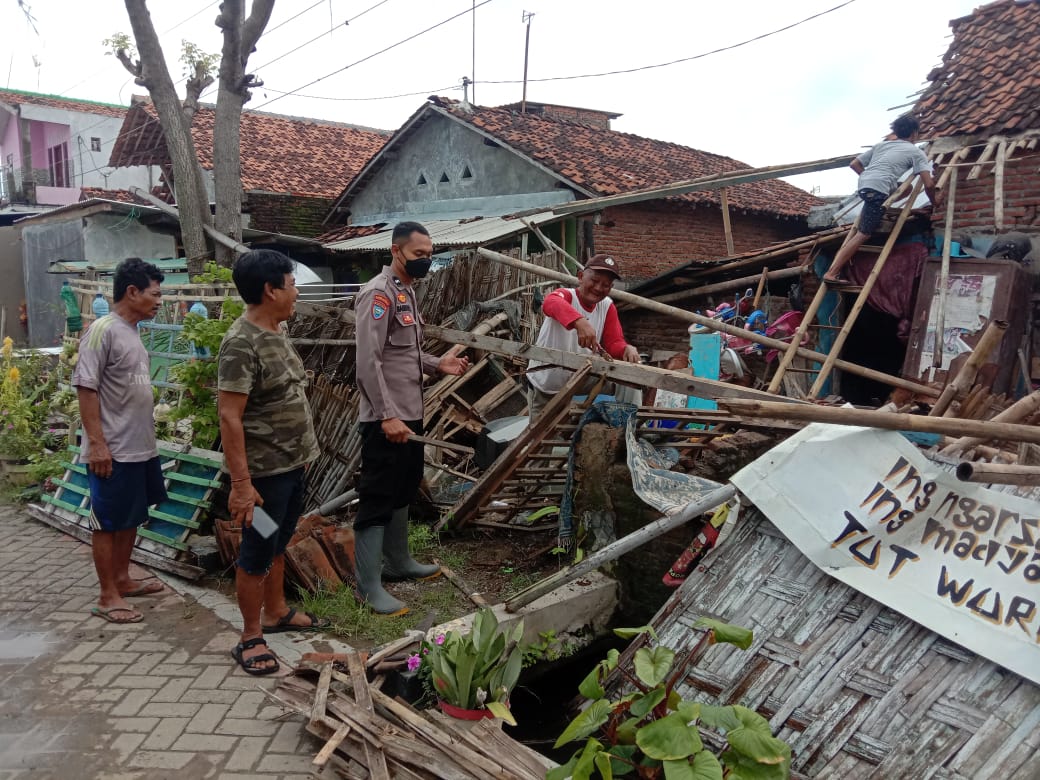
(873, 210)
(283, 501)
(390, 473)
(120, 502)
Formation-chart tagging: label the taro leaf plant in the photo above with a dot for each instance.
(652, 733)
(477, 670)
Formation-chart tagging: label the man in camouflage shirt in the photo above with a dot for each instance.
(268, 441)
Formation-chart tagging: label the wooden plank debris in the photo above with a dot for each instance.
(516, 453)
(368, 734)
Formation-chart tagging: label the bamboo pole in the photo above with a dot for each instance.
(726, 227)
(998, 473)
(732, 284)
(793, 350)
(623, 545)
(1020, 410)
(892, 421)
(965, 377)
(715, 325)
(998, 186)
(762, 286)
(861, 299)
(944, 275)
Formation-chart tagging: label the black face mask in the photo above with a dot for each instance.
(417, 268)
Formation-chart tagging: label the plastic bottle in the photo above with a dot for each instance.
(99, 305)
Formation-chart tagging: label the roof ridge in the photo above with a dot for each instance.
(589, 126)
(49, 96)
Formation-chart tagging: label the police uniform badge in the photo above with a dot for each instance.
(407, 319)
(402, 298)
(380, 306)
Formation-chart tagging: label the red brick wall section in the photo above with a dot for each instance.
(648, 240)
(650, 331)
(974, 199)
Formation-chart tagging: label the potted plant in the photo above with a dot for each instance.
(653, 734)
(472, 674)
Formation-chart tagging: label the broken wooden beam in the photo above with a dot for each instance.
(892, 421)
(991, 337)
(712, 182)
(1022, 409)
(616, 370)
(518, 451)
(710, 324)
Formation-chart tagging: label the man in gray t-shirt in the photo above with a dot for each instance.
(113, 384)
(880, 169)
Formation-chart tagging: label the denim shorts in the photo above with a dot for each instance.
(873, 210)
(283, 501)
(120, 502)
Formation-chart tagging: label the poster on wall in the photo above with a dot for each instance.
(871, 510)
(969, 302)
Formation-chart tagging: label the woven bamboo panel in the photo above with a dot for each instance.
(856, 689)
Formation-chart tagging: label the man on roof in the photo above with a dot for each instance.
(880, 169)
(582, 319)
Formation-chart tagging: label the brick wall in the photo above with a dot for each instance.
(290, 214)
(650, 239)
(650, 331)
(973, 202)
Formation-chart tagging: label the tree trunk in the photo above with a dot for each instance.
(190, 189)
(239, 39)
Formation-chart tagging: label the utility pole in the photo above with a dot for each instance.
(526, 19)
(473, 49)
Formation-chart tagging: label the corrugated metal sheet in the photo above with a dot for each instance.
(857, 689)
(476, 231)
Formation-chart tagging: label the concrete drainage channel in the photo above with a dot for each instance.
(578, 613)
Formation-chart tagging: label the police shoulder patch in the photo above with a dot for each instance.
(380, 306)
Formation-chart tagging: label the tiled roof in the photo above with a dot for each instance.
(122, 196)
(279, 153)
(606, 162)
(18, 97)
(989, 80)
(344, 232)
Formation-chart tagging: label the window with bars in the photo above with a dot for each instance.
(59, 165)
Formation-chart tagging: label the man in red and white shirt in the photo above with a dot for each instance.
(583, 320)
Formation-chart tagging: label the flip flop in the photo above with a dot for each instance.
(106, 614)
(149, 587)
(249, 665)
(286, 624)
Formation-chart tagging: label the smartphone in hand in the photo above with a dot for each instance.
(263, 522)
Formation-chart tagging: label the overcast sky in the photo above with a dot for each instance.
(827, 86)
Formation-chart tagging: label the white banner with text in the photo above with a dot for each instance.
(870, 509)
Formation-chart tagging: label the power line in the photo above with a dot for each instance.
(434, 91)
(683, 59)
(306, 43)
(182, 21)
(376, 54)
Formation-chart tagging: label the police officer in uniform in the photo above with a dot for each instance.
(390, 369)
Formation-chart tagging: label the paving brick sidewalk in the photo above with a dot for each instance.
(83, 698)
